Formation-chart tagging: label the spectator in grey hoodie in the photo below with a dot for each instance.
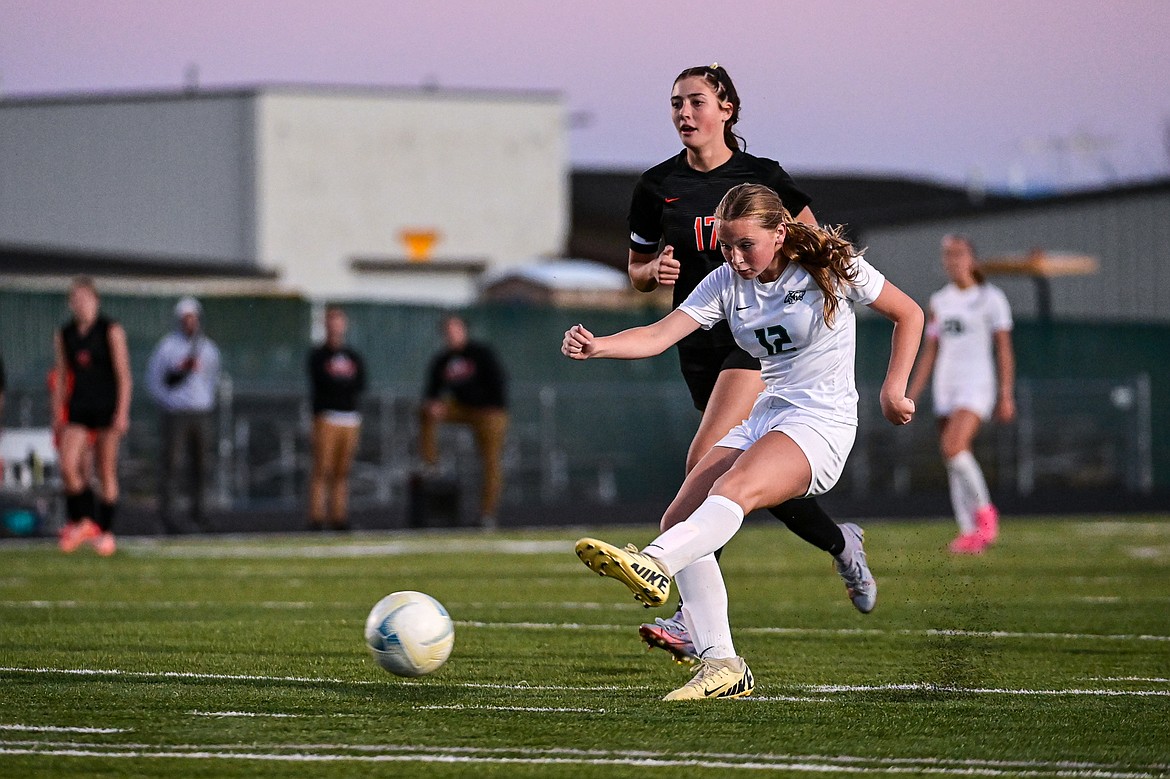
(182, 377)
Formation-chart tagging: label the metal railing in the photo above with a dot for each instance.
(609, 443)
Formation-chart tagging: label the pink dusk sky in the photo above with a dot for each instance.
(1025, 93)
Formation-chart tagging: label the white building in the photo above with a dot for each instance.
(320, 186)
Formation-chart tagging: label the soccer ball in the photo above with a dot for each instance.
(409, 633)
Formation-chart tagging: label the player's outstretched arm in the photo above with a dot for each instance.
(632, 344)
(899, 308)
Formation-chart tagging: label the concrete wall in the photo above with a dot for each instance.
(340, 176)
(166, 177)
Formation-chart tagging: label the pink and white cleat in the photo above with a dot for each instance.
(987, 524)
(969, 543)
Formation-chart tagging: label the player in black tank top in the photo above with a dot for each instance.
(672, 242)
(95, 390)
(92, 349)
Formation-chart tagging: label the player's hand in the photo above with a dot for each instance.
(121, 423)
(898, 410)
(666, 268)
(578, 343)
(1005, 410)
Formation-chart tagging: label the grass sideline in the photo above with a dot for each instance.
(243, 656)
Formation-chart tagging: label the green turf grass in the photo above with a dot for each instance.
(1049, 656)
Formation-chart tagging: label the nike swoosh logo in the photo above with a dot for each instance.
(669, 199)
(741, 308)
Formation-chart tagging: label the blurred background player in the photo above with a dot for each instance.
(92, 349)
(787, 291)
(969, 320)
(674, 205)
(337, 377)
(466, 385)
(183, 378)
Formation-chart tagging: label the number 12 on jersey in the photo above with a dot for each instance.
(773, 339)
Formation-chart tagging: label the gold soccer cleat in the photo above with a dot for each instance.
(644, 577)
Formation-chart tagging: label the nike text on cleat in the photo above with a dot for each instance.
(671, 635)
(853, 569)
(727, 677)
(648, 582)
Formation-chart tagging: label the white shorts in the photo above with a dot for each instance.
(979, 399)
(825, 443)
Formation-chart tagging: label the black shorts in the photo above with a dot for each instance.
(91, 417)
(701, 369)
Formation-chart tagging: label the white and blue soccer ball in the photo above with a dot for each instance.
(409, 633)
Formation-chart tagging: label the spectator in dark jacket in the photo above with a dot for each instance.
(466, 385)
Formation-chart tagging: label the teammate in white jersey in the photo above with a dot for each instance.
(970, 321)
(787, 290)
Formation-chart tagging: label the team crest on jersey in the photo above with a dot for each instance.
(794, 296)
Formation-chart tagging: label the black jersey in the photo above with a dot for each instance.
(675, 204)
(89, 359)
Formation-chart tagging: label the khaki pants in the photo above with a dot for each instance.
(333, 451)
(489, 426)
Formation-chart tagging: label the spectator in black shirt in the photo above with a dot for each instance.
(466, 385)
(337, 377)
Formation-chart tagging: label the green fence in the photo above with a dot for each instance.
(264, 341)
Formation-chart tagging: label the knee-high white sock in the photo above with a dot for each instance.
(965, 471)
(704, 598)
(960, 505)
(711, 526)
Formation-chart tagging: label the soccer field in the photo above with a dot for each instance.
(243, 656)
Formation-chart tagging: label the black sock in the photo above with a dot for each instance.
(88, 503)
(73, 506)
(105, 515)
(806, 518)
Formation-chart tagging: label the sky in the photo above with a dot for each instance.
(1020, 95)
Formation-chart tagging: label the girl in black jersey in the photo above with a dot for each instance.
(673, 207)
(92, 349)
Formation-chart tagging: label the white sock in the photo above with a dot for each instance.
(704, 598)
(710, 527)
(962, 469)
(964, 514)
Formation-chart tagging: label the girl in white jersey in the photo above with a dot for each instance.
(969, 319)
(787, 290)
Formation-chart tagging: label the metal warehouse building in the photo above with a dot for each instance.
(337, 192)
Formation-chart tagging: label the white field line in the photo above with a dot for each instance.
(554, 710)
(926, 687)
(1064, 765)
(245, 551)
(797, 631)
(61, 729)
(247, 714)
(836, 631)
(276, 546)
(807, 764)
(523, 685)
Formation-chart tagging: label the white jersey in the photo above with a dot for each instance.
(964, 322)
(803, 361)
